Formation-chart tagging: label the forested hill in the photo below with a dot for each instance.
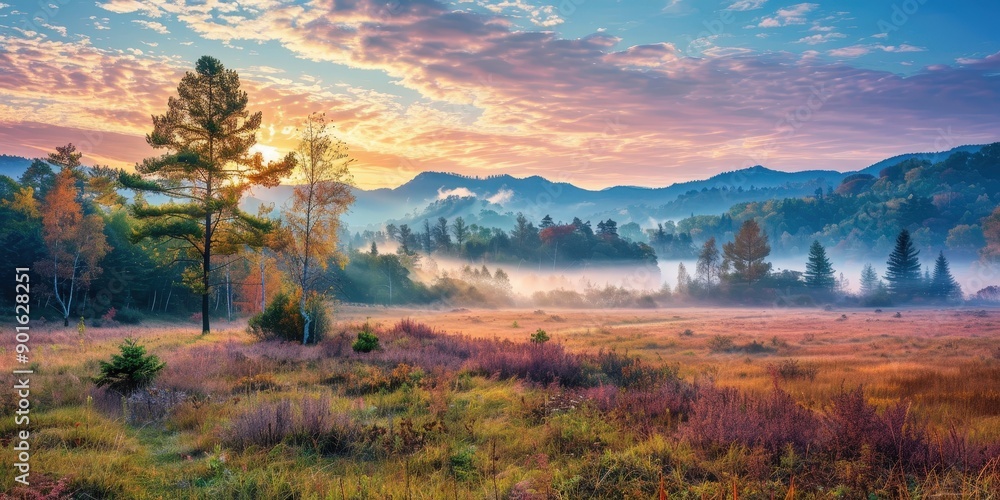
(495, 200)
(944, 204)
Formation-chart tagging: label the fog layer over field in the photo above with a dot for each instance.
(530, 277)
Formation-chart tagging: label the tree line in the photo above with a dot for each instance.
(550, 243)
(741, 270)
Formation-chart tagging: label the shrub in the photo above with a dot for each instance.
(265, 425)
(791, 369)
(854, 424)
(461, 463)
(367, 341)
(756, 348)
(724, 416)
(720, 343)
(630, 372)
(128, 316)
(539, 337)
(541, 363)
(282, 320)
(109, 316)
(129, 371)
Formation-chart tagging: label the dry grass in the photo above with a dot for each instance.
(945, 362)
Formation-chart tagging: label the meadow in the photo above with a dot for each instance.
(459, 403)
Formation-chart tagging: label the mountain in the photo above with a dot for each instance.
(13, 166)
(494, 200)
(930, 157)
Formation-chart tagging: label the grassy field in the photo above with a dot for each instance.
(691, 403)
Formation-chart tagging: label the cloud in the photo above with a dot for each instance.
(821, 38)
(859, 50)
(152, 25)
(58, 29)
(544, 16)
(678, 8)
(483, 95)
(794, 14)
(501, 197)
(460, 192)
(744, 5)
(130, 6)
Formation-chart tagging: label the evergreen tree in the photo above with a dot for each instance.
(208, 132)
(747, 252)
(461, 232)
(819, 271)
(546, 222)
(442, 238)
(425, 238)
(869, 281)
(943, 284)
(903, 267)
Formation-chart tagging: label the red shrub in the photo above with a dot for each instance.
(721, 417)
(541, 363)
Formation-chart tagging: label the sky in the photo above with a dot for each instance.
(593, 92)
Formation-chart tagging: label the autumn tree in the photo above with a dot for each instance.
(903, 267)
(819, 270)
(708, 264)
(991, 233)
(75, 243)
(207, 133)
(746, 253)
(323, 195)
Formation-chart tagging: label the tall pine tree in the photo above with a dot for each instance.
(903, 271)
(207, 133)
(819, 271)
(943, 284)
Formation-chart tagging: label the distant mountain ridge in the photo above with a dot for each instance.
(434, 194)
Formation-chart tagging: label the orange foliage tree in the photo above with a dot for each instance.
(313, 219)
(75, 242)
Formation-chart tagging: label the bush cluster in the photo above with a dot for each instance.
(282, 320)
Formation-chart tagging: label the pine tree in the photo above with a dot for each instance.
(903, 271)
(819, 271)
(869, 281)
(208, 133)
(943, 284)
(747, 252)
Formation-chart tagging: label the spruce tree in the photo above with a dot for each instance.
(943, 284)
(819, 271)
(903, 267)
(869, 281)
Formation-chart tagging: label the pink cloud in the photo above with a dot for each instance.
(497, 99)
